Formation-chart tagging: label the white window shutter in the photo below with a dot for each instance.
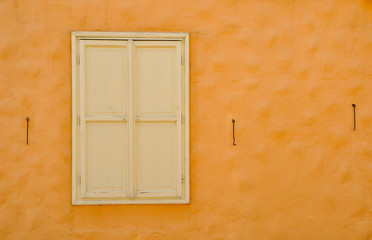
(158, 110)
(103, 119)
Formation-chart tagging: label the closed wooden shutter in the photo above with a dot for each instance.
(103, 111)
(157, 79)
(131, 132)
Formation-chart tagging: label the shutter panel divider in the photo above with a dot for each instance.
(82, 138)
(131, 118)
(179, 109)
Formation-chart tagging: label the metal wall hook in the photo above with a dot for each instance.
(27, 119)
(233, 122)
(354, 106)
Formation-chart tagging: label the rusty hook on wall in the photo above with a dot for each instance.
(233, 122)
(27, 119)
(354, 106)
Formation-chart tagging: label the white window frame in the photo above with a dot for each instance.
(76, 36)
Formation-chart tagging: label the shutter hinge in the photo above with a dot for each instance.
(182, 119)
(79, 179)
(182, 179)
(78, 119)
(182, 60)
(78, 59)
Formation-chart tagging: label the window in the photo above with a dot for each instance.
(130, 118)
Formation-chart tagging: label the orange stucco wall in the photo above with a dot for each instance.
(286, 70)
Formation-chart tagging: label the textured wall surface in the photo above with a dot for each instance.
(286, 70)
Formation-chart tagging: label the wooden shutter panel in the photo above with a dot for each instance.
(103, 108)
(157, 97)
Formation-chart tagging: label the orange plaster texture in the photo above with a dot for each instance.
(287, 71)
